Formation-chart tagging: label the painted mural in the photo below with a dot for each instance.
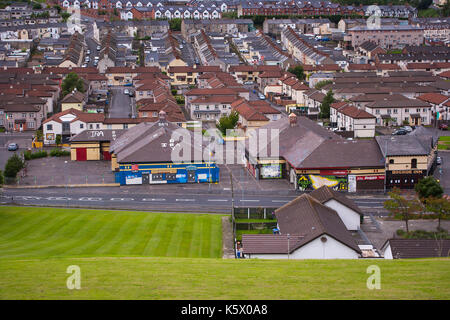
(312, 182)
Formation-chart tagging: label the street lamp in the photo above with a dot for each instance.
(288, 238)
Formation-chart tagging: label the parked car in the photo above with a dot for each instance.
(13, 147)
(443, 126)
(88, 52)
(399, 132)
(98, 48)
(407, 128)
(84, 65)
(248, 82)
(438, 160)
(261, 96)
(126, 91)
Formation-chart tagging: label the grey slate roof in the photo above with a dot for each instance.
(419, 248)
(405, 145)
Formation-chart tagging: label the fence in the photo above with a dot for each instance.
(254, 213)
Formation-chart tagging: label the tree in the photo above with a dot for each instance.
(58, 139)
(175, 24)
(440, 206)
(1, 178)
(228, 122)
(325, 107)
(65, 16)
(428, 187)
(399, 205)
(13, 166)
(37, 6)
(424, 4)
(298, 72)
(71, 82)
(319, 85)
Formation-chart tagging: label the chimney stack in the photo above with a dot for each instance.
(292, 119)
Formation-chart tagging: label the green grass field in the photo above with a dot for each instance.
(188, 278)
(49, 232)
(137, 255)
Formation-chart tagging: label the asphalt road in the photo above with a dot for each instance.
(121, 104)
(442, 172)
(127, 198)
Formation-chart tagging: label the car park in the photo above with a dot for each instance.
(13, 147)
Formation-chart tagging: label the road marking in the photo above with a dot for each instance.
(90, 199)
(184, 199)
(242, 200)
(217, 200)
(145, 199)
(58, 198)
(121, 199)
(280, 200)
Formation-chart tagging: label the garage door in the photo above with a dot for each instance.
(81, 154)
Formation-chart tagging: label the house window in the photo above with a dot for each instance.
(109, 126)
(391, 161)
(377, 111)
(98, 126)
(125, 126)
(50, 127)
(91, 126)
(155, 114)
(406, 110)
(24, 115)
(414, 163)
(81, 125)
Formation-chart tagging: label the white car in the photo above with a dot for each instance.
(262, 97)
(98, 48)
(88, 51)
(126, 91)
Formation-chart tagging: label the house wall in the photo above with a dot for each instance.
(388, 252)
(66, 106)
(316, 249)
(349, 217)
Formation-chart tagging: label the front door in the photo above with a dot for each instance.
(191, 176)
(81, 154)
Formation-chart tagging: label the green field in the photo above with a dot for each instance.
(138, 255)
(187, 278)
(49, 232)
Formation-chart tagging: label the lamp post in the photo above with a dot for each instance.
(288, 238)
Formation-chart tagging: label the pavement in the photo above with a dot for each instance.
(122, 105)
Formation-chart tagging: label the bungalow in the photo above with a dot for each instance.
(415, 248)
(308, 230)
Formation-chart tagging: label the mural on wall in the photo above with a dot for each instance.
(271, 171)
(312, 182)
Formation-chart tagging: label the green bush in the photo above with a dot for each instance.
(13, 166)
(28, 155)
(59, 153)
(1, 178)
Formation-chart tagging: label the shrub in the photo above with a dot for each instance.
(28, 155)
(1, 178)
(13, 166)
(59, 153)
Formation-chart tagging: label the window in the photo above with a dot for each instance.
(30, 125)
(414, 163)
(50, 127)
(155, 114)
(377, 111)
(98, 126)
(395, 110)
(24, 115)
(125, 125)
(91, 126)
(81, 125)
(109, 126)
(391, 161)
(406, 110)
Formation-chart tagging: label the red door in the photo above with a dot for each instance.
(106, 155)
(81, 154)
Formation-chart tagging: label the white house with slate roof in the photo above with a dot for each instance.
(308, 230)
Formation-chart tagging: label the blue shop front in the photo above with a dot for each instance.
(160, 173)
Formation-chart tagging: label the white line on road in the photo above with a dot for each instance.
(218, 200)
(280, 200)
(242, 200)
(184, 199)
(153, 199)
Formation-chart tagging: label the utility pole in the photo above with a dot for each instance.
(232, 213)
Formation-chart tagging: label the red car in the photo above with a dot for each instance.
(443, 126)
